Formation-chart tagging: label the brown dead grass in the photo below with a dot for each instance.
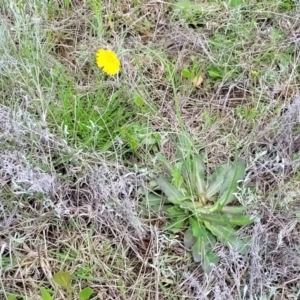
(62, 209)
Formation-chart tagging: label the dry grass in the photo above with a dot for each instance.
(69, 202)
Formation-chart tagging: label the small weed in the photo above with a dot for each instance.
(203, 206)
(63, 279)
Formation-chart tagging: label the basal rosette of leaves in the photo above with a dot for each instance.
(204, 207)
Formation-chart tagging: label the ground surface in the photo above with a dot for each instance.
(79, 147)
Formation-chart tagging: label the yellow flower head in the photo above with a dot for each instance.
(108, 61)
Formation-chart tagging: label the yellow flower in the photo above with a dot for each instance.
(108, 61)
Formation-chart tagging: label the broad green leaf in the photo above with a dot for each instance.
(221, 232)
(172, 193)
(202, 252)
(12, 297)
(202, 247)
(214, 218)
(230, 184)
(85, 293)
(45, 294)
(189, 240)
(154, 200)
(139, 101)
(186, 73)
(195, 227)
(199, 174)
(216, 180)
(175, 212)
(176, 225)
(210, 259)
(178, 219)
(215, 73)
(197, 250)
(227, 236)
(235, 173)
(241, 221)
(63, 279)
(199, 231)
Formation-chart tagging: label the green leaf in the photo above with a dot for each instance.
(189, 240)
(170, 190)
(85, 293)
(176, 225)
(45, 294)
(199, 231)
(63, 279)
(229, 187)
(175, 212)
(210, 259)
(215, 73)
(235, 3)
(154, 200)
(187, 74)
(195, 227)
(199, 174)
(12, 297)
(139, 101)
(241, 221)
(178, 219)
(202, 247)
(214, 218)
(221, 232)
(202, 253)
(216, 180)
(233, 210)
(176, 176)
(235, 173)
(227, 236)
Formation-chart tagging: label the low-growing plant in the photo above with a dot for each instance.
(63, 279)
(205, 207)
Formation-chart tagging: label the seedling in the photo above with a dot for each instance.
(63, 279)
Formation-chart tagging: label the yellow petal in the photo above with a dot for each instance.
(108, 61)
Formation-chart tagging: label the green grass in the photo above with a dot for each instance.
(79, 148)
